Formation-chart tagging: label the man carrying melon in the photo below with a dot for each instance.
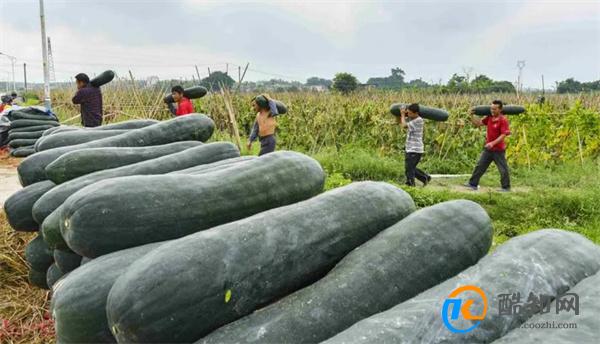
(265, 124)
(184, 104)
(414, 144)
(89, 98)
(495, 147)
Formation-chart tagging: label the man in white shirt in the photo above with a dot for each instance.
(414, 144)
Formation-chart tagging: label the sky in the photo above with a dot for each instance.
(294, 40)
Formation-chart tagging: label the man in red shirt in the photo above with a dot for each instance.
(184, 105)
(495, 147)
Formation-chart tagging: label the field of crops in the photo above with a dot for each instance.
(566, 128)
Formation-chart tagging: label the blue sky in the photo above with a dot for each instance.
(299, 39)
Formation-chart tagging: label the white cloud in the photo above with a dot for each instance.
(336, 20)
(532, 16)
(76, 52)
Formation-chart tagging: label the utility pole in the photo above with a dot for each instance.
(47, 101)
(12, 62)
(25, 75)
(543, 88)
(520, 65)
(51, 63)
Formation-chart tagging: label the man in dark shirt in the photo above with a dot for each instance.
(90, 99)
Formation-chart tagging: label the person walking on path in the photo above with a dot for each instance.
(495, 147)
(414, 144)
(90, 100)
(265, 124)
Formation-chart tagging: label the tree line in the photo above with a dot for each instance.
(346, 82)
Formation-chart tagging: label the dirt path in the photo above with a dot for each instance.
(9, 182)
(455, 183)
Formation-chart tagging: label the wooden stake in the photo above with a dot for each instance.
(242, 78)
(134, 90)
(526, 149)
(198, 74)
(232, 120)
(580, 145)
(210, 83)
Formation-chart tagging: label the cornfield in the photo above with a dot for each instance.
(564, 128)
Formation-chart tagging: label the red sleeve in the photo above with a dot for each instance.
(485, 120)
(185, 108)
(504, 129)
(189, 107)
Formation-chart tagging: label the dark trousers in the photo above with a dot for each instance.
(486, 158)
(91, 121)
(411, 161)
(267, 144)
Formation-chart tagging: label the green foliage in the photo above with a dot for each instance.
(316, 81)
(345, 83)
(336, 180)
(332, 122)
(557, 196)
(542, 136)
(30, 96)
(480, 84)
(392, 82)
(571, 85)
(215, 79)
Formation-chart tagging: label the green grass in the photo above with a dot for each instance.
(562, 196)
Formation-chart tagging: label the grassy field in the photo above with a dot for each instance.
(562, 196)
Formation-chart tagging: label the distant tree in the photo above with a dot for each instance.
(345, 82)
(481, 83)
(417, 83)
(316, 81)
(394, 81)
(571, 85)
(458, 84)
(398, 74)
(591, 86)
(501, 87)
(213, 81)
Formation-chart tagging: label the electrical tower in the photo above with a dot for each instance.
(520, 65)
(51, 63)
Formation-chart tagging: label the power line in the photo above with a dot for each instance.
(271, 74)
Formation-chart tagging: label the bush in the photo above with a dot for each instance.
(345, 83)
